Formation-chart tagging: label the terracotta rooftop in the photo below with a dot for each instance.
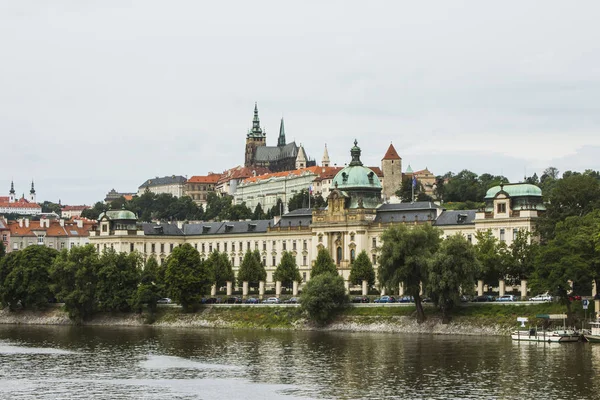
(210, 178)
(391, 154)
(22, 203)
(75, 208)
(240, 172)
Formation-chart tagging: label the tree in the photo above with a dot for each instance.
(277, 209)
(323, 297)
(217, 206)
(323, 264)
(187, 278)
(2, 250)
(24, 277)
(362, 270)
(94, 212)
(287, 271)
(49, 207)
(220, 267)
(524, 252)
(73, 274)
(573, 255)
(575, 195)
(405, 193)
(452, 269)
(238, 212)
(252, 270)
(150, 289)
(118, 278)
(493, 256)
(404, 258)
(463, 186)
(304, 199)
(258, 213)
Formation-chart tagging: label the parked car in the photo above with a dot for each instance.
(484, 298)
(251, 300)
(164, 300)
(385, 299)
(426, 300)
(506, 297)
(234, 300)
(292, 300)
(210, 300)
(465, 298)
(574, 297)
(271, 300)
(360, 299)
(406, 299)
(541, 297)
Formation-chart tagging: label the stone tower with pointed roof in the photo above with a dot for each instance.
(325, 160)
(32, 193)
(391, 166)
(301, 158)
(283, 157)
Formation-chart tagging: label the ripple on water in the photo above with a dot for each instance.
(168, 362)
(15, 349)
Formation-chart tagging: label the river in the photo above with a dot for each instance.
(64, 362)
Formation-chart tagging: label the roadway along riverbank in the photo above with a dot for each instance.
(488, 319)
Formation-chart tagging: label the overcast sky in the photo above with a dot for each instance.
(103, 94)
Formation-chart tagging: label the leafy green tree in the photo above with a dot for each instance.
(277, 209)
(258, 213)
(575, 195)
(2, 250)
(217, 206)
(533, 180)
(405, 255)
(452, 269)
(287, 271)
(524, 251)
(187, 278)
(24, 277)
(73, 274)
(150, 289)
(463, 186)
(220, 267)
(304, 199)
(573, 255)
(362, 270)
(94, 212)
(493, 256)
(324, 297)
(238, 212)
(406, 191)
(487, 181)
(118, 278)
(323, 264)
(49, 207)
(252, 270)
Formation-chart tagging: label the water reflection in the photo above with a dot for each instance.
(99, 362)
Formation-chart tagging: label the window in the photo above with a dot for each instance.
(320, 238)
(203, 247)
(374, 257)
(153, 247)
(274, 244)
(264, 262)
(264, 245)
(144, 248)
(196, 246)
(171, 247)
(4, 237)
(131, 247)
(241, 259)
(502, 238)
(40, 239)
(284, 244)
(218, 247)
(232, 246)
(294, 245)
(515, 233)
(233, 261)
(97, 247)
(162, 247)
(352, 255)
(338, 257)
(470, 238)
(62, 245)
(304, 276)
(210, 247)
(248, 246)
(305, 245)
(104, 228)
(256, 245)
(501, 208)
(225, 246)
(352, 237)
(303, 260)
(374, 243)
(274, 261)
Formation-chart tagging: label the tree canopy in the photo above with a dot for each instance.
(118, 277)
(287, 271)
(252, 270)
(362, 270)
(323, 297)
(301, 200)
(493, 256)
(323, 264)
(404, 258)
(220, 266)
(187, 278)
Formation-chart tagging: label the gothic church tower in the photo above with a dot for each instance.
(391, 166)
(255, 138)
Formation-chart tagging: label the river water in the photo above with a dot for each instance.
(60, 362)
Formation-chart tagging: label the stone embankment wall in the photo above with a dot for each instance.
(215, 318)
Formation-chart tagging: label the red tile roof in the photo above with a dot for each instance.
(210, 178)
(75, 208)
(297, 172)
(54, 230)
(240, 172)
(22, 203)
(391, 154)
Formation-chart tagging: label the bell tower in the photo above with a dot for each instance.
(256, 137)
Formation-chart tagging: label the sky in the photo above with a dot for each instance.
(102, 94)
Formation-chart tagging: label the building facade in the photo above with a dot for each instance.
(24, 206)
(54, 233)
(174, 184)
(198, 187)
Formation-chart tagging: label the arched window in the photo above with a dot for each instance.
(339, 255)
(352, 255)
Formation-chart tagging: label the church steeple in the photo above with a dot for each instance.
(32, 193)
(256, 131)
(281, 140)
(12, 196)
(325, 161)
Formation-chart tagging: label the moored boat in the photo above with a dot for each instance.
(563, 335)
(593, 336)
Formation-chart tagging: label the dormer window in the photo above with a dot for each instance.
(501, 208)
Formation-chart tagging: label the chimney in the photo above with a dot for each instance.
(20, 222)
(79, 223)
(44, 223)
(61, 222)
(26, 222)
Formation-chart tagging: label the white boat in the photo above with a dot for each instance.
(563, 335)
(593, 336)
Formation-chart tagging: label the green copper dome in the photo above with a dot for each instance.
(515, 190)
(355, 175)
(118, 215)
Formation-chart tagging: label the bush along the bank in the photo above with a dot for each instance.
(324, 297)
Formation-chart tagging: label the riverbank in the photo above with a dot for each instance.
(489, 319)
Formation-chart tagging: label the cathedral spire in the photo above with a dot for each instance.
(32, 191)
(256, 131)
(325, 161)
(281, 140)
(12, 187)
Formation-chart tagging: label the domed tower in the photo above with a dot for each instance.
(255, 138)
(359, 184)
(12, 195)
